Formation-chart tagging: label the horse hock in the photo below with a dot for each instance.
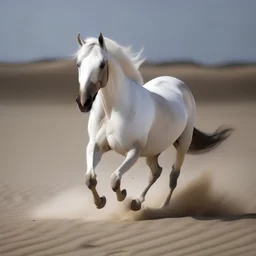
(174, 175)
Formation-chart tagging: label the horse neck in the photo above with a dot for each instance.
(116, 94)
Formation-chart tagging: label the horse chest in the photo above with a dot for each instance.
(122, 134)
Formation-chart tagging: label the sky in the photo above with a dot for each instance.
(206, 31)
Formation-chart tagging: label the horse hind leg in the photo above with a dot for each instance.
(182, 146)
(155, 172)
(174, 175)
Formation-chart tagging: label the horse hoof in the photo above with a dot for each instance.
(123, 195)
(135, 205)
(102, 203)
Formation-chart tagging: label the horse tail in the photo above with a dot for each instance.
(205, 142)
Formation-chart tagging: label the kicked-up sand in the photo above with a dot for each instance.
(45, 208)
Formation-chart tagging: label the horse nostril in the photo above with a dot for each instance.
(87, 102)
(78, 101)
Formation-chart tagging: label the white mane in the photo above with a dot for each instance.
(130, 62)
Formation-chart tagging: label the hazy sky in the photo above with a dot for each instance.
(208, 31)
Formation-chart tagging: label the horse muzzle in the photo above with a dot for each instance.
(87, 105)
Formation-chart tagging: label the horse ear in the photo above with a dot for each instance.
(101, 41)
(80, 40)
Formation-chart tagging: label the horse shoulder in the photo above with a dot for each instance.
(130, 125)
(97, 121)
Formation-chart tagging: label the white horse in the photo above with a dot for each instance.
(132, 119)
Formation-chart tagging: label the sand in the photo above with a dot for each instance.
(45, 208)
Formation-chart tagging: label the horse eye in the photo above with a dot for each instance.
(102, 64)
(78, 65)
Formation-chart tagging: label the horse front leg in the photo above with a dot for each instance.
(93, 155)
(130, 159)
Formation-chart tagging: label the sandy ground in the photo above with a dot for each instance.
(45, 208)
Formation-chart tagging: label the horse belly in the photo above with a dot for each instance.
(166, 129)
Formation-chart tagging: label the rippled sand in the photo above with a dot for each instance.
(45, 208)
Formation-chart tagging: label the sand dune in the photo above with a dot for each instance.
(45, 209)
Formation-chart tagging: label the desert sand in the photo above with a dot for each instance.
(45, 208)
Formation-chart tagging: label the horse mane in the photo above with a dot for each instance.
(129, 61)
